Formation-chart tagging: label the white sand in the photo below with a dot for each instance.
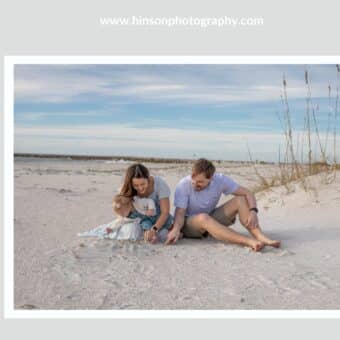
(55, 269)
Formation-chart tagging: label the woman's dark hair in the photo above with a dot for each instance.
(136, 170)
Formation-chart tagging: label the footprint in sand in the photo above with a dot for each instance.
(92, 189)
(285, 252)
(281, 285)
(112, 282)
(188, 296)
(315, 280)
(145, 269)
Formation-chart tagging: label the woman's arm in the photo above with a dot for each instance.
(165, 208)
(164, 205)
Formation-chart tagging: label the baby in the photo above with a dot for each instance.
(137, 207)
(122, 205)
(144, 206)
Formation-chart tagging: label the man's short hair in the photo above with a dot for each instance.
(204, 166)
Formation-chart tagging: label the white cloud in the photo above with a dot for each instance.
(119, 139)
(65, 84)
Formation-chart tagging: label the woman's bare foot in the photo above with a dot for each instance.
(256, 245)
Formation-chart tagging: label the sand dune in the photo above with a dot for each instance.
(55, 269)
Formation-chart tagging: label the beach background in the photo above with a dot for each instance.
(56, 198)
(272, 128)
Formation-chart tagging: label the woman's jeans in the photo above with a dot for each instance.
(148, 221)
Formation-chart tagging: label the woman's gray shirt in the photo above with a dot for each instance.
(161, 190)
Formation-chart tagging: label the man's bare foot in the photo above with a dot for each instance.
(273, 243)
(256, 245)
(257, 233)
(268, 242)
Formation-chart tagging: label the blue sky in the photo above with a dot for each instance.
(179, 111)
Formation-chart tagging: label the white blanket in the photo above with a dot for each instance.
(122, 229)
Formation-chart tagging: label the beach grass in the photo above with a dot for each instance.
(292, 167)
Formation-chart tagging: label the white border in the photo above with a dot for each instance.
(9, 311)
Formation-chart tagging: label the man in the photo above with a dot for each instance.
(196, 215)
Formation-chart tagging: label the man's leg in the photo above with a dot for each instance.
(239, 205)
(203, 222)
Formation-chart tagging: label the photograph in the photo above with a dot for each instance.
(176, 186)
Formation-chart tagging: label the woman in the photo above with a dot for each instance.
(139, 182)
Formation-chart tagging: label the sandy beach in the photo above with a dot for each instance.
(55, 269)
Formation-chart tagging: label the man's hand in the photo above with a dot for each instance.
(252, 221)
(173, 236)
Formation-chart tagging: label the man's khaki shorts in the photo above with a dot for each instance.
(218, 214)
